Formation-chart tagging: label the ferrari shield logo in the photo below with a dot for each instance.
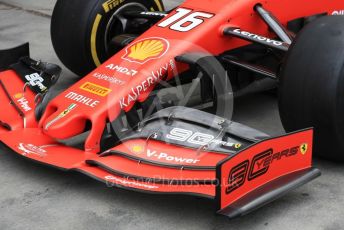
(237, 146)
(304, 148)
(61, 115)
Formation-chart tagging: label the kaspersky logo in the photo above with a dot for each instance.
(146, 49)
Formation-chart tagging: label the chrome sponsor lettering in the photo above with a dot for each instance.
(153, 13)
(198, 138)
(168, 157)
(32, 149)
(112, 80)
(338, 12)
(24, 104)
(154, 78)
(82, 99)
(36, 80)
(123, 70)
(258, 37)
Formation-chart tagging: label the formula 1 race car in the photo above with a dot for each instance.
(121, 124)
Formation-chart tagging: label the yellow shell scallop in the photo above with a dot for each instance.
(146, 49)
(137, 149)
(18, 96)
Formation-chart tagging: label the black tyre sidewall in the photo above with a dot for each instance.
(312, 85)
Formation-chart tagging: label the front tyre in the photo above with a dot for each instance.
(312, 85)
(81, 30)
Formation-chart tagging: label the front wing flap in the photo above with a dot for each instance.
(263, 172)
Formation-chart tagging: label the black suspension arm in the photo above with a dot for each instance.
(274, 24)
(250, 67)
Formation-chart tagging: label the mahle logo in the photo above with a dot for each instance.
(146, 49)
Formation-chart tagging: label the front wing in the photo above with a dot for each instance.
(239, 183)
(258, 170)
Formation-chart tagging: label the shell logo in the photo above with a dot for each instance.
(138, 149)
(146, 49)
(18, 95)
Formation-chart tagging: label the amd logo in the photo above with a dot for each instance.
(123, 70)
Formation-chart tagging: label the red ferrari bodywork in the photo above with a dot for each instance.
(129, 77)
(207, 37)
